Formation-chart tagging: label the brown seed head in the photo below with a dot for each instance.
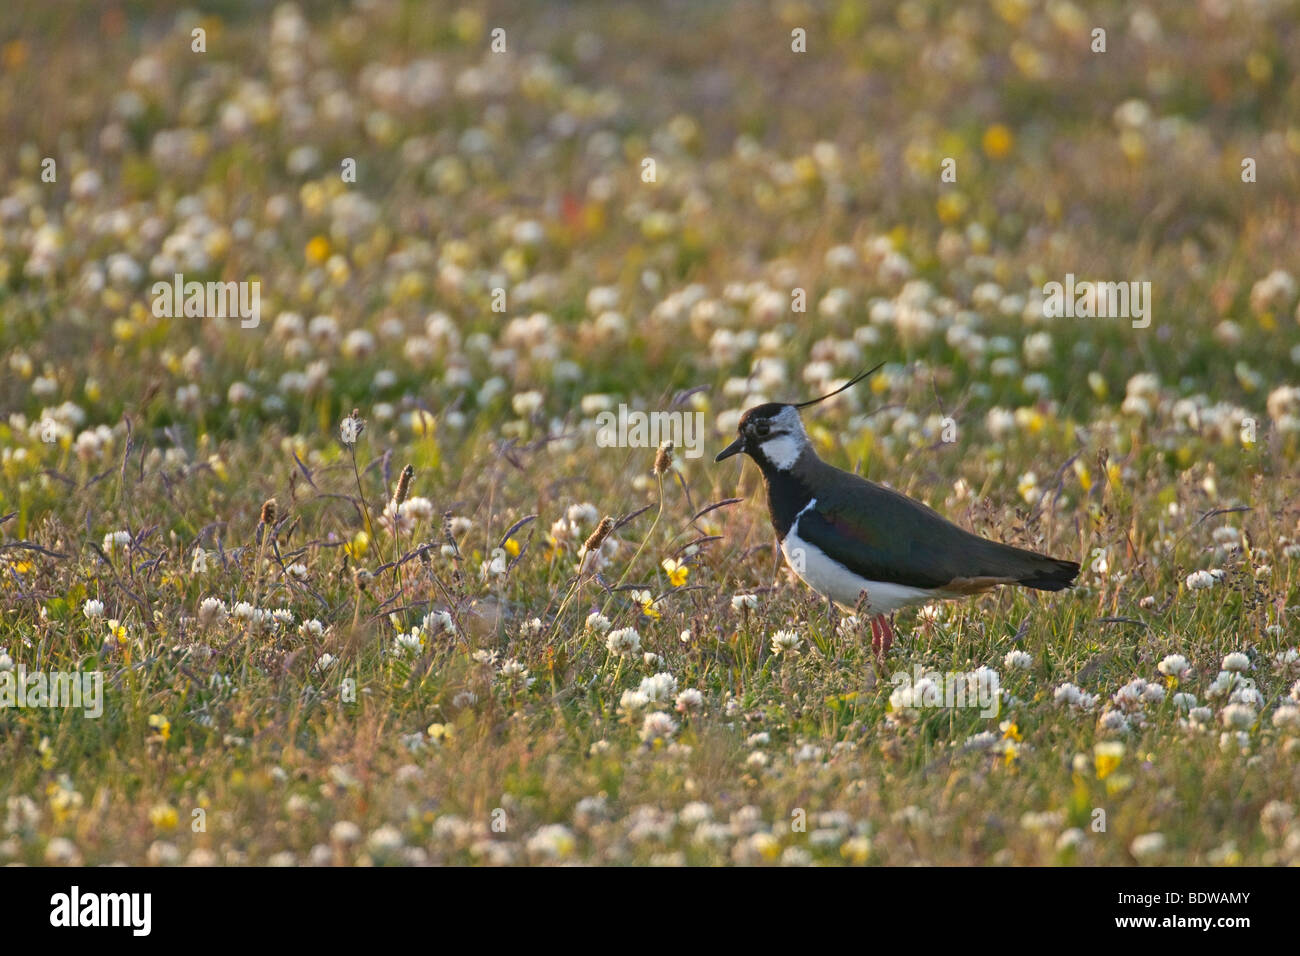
(403, 487)
(268, 512)
(599, 535)
(664, 459)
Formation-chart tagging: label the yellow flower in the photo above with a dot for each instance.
(676, 571)
(117, 630)
(318, 250)
(997, 141)
(423, 423)
(1107, 757)
(164, 817)
(512, 547)
(951, 207)
(647, 602)
(161, 724)
(356, 548)
(440, 732)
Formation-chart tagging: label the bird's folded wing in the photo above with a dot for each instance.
(893, 555)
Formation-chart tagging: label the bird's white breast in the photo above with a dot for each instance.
(826, 575)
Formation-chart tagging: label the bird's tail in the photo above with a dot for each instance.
(1051, 574)
(1031, 569)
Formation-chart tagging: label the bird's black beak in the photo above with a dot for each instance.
(735, 448)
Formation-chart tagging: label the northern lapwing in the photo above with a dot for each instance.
(864, 545)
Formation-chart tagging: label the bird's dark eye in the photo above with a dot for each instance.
(761, 428)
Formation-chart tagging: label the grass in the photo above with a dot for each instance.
(440, 694)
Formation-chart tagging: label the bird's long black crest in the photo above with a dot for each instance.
(847, 385)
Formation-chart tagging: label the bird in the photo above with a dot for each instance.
(862, 545)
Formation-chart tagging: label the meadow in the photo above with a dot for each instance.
(343, 572)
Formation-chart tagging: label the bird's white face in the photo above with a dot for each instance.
(781, 438)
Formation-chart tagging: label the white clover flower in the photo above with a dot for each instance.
(408, 644)
(1070, 839)
(93, 609)
(623, 642)
(554, 841)
(1238, 716)
(213, 612)
(1224, 684)
(660, 688)
(1198, 580)
(1074, 697)
(438, 622)
(116, 541)
(786, 642)
(1287, 717)
(633, 702)
(1113, 721)
(1184, 701)
(515, 674)
(657, 726)
(741, 601)
(597, 623)
(690, 701)
(1236, 662)
(1174, 665)
(1147, 846)
(345, 832)
(1017, 659)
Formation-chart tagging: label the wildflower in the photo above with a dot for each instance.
(438, 733)
(647, 602)
(93, 609)
(514, 675)
(351, 428)
(116, 631)
(1147, 846)
(624, 642)
(212, 612)
(597, 623)
(660, 688)
(676, 571)
(116, 541)
(164, 817)
(199, 563)
(745, 601)
(690, 701)
(786, 642)
(162, 725)
(1018, 659)
(632, 702)
(1236, 662)
(657, 726)
(1175, 666)
(551, 842)
(1238, 716)
(1074, 697)
(1198, 580)
(1107, 757)
(997, 141)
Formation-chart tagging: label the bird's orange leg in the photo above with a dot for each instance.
(882, 635)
